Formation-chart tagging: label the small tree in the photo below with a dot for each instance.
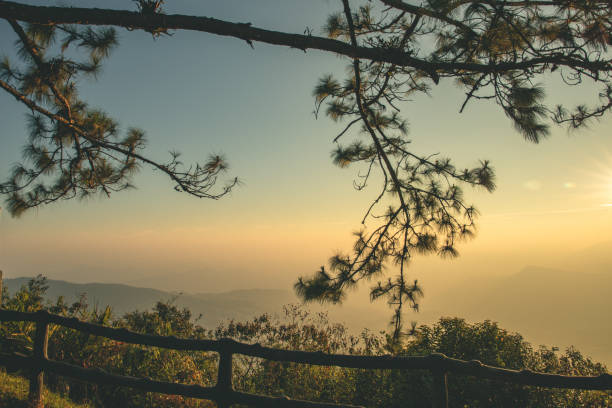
(495, 50)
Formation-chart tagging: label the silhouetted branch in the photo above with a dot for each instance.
(245, 31)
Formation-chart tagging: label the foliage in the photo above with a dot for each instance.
(492, 345)
(74, 150)
(494, 50)
(88, 351)
(301, 330)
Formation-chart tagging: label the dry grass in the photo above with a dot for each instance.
(14, 394)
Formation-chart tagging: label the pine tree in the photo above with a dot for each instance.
(495, 50)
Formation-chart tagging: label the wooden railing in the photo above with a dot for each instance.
(223, 392)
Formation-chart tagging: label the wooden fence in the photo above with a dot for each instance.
(223, 393)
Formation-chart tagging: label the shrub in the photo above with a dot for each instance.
(297, 329)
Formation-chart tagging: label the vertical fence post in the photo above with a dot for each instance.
(440, 397)
(41, 341)
(440, 386)
(224, 376)
(0, 288)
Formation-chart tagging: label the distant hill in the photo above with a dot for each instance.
(593, 259)
(214, 307)
(547, 306)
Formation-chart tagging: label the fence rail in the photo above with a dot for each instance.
(224, 394)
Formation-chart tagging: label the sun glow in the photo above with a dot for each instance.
(599, 184)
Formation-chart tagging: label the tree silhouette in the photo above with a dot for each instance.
(495, 50)
(74, 150)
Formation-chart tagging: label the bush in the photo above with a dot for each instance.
(296, 330)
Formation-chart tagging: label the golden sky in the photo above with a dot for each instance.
(294, 209)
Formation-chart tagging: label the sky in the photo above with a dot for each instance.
(200, 94)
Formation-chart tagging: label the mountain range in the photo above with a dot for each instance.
(547, 306)
(214, 307)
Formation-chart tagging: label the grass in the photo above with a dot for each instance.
(14, 394)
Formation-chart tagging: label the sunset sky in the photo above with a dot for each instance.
(202, 94)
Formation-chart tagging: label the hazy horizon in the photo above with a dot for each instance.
(547, 306)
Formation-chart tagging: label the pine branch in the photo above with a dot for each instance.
(246, 32)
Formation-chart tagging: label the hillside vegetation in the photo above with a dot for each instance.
(299, 330)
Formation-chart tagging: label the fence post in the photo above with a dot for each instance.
(224, 376)
(438, 369)
(0, 288)
(440, 398)
(41, 341)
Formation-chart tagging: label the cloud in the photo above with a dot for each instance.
(532, 185)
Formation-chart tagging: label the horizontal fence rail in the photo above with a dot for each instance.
(223, 393)
(192, 391)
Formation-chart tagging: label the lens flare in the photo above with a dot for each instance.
(598, 181)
